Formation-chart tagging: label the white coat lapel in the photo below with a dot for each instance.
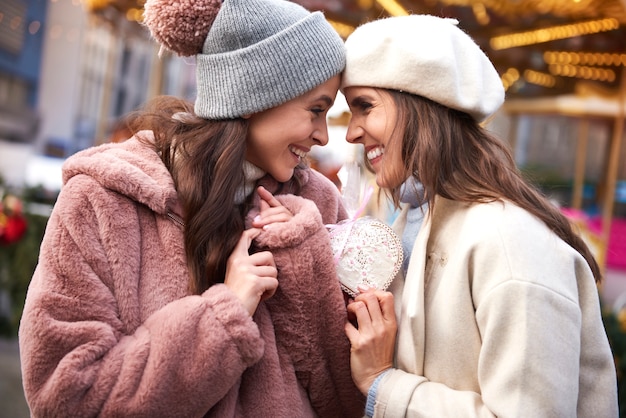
(409, 294)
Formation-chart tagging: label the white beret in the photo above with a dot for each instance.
(428, 56)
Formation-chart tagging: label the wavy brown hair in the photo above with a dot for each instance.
(471, 165)
(205, 159)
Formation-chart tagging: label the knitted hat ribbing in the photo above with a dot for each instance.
(427, 56)
(257, 54)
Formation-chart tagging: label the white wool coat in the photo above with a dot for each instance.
(497, 316)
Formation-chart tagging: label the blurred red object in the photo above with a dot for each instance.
(13, 230)
(12, 222)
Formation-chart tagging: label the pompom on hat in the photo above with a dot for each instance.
(428, 56)
(251, 55)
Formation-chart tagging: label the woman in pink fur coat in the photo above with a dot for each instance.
(187, 272)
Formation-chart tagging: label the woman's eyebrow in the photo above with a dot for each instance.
(326, 99)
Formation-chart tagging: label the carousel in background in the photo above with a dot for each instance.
(563, 65)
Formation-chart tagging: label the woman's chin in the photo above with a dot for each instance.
(380, 181)
(283, 175)
(384, 183)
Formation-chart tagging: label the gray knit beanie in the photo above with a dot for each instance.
(251, 55)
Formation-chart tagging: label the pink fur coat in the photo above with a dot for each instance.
(109, 329)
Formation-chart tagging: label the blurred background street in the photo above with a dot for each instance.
(12, 402)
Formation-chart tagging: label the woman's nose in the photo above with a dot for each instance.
(320, 136)
(354, 133)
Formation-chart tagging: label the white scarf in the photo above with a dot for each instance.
(251, 173)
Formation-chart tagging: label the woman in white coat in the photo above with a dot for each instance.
(497, 311)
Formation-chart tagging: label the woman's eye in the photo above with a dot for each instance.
(361, 105)
(318, 110)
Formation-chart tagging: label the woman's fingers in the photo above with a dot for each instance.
(380, 305)
(271, 210)
(267, 197)
(374, 308)
(373, 337)
(263, 258)
(361, 312)
(387, 306)
(245, 241)
(252, 277)
(351, 332)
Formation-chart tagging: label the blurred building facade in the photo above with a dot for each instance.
(21, 42)
(67, 75)
(21, 39)
(97, 68)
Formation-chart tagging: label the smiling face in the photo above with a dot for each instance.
(280, 137)
(373, 124)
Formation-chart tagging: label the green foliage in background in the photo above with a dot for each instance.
(551, 183)
(18, 260)
(17, 263)
(615, 325)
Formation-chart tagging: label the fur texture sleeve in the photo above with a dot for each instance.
(105, 334)
(308, 310)
(315, 187)
(326, 196)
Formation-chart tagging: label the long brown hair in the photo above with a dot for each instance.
(205, 158)
(471, 165)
